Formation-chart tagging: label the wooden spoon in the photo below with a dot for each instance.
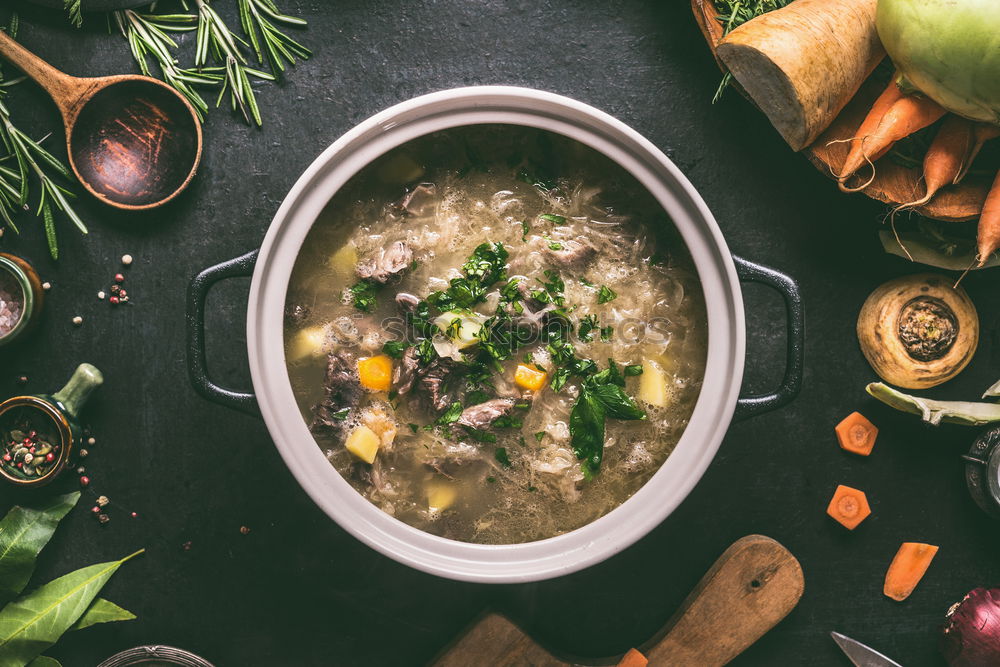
(753, 585)
(133, 142)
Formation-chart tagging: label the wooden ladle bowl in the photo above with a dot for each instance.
(133, 142)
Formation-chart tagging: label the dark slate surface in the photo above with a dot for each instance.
(297, 590)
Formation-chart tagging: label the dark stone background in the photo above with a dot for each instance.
(297, 590)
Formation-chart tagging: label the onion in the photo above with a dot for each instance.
(971, 636)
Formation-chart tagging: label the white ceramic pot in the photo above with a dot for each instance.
(720, 280)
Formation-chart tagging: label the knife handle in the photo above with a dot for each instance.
(752, 586)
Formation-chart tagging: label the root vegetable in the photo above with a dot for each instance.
(983, 132)
(879, 109)
(907, 115)
(918, 331)
(856, 434)
(848, 507)
(801, 64)
(948, 157)
(988, 237)
(907, 569)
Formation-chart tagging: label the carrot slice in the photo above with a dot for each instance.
(633, 659)
(849, 507)
(907, 569)
(856, 434)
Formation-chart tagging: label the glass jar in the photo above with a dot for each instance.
(21, 298)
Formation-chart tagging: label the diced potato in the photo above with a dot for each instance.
(343, 263)
(363, 444)
(468, 332)
(375, 372)
(653, 387)
(440, 496)
(308, 342)
(400, 169)
(529, 377)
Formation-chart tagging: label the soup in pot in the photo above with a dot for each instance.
(495, 334)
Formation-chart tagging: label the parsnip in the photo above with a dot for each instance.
(801, 64)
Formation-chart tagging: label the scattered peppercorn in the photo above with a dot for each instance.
(77, 321)
(83, 453)
(103, 518)
(186, 546)
(22, 380)
(244, 530)
(126, 260)
(115, 288)
(119, 278)
(46, 286)
(84, 480)
(101, 295)
(81, 470)
(134, 514)
(95, 509)
(113, 301)
(102, 500)
(91, 441)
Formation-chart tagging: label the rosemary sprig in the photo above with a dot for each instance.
(74, 11)
(31, 159)
(221, 58)
(734, 13)
(148, 35)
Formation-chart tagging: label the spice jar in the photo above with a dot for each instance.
(39, 434)
(21, 298)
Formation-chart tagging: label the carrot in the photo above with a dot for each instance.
(948, 157)
(849, 507)
(989, 224)
(856, 434)
(982, 132)
(907, 115)
(633, 659)
(907, 569)
(882, 104)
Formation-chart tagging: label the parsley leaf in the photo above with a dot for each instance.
(450, 415)
(606, 294)
(364, 293)
(395, 348)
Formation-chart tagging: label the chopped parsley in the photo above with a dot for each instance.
(553, 245)
(502, 458)
(539, 435)
(551, 217)
(587, 327)
(364, 293)
(395, 348)
(634, 369)
(606, 294)
(341, 415)
(451, 415)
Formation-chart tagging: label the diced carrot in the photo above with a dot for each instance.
(857, 434)
(529, 377)
(849, 507)
(633, 659)
(907, 569)
(375, 373)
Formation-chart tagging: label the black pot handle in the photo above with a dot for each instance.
(197, 369)
(750, 406)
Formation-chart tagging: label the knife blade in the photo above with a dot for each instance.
(861, 655)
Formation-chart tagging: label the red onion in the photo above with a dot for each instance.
(971, 636)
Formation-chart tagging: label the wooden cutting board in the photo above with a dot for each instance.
(753, 585)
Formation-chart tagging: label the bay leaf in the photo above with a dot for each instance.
(23, 534)
(38, 619)
(44, 661)
(102, 611)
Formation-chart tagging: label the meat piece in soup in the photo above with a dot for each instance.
(503, 349)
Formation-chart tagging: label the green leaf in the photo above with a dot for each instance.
(502, 457)
(37, 620)
(450, 415)
(616, 403)
(606, 294)
(44, 661)
(102, 611)
(23, 534)
(395, 348)
(586, 428)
